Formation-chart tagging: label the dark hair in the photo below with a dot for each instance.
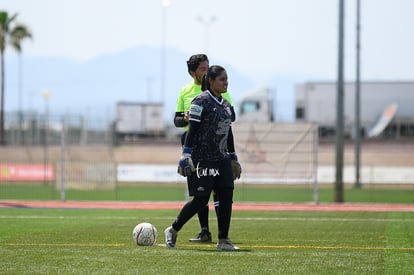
(194, 62)
(212, 73)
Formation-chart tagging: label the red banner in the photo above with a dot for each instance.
(26, 172)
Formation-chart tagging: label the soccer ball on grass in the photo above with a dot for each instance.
(144, 234)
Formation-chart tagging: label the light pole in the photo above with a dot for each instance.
(46, 95)
(339, 135)
(19, 92)
(149, 88)
(206, 23)
(358, 100)
(165, 5)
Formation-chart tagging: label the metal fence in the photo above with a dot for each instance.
(56, 153)
(56, 157)
(60, 153)
(33, 129)
(275, 153)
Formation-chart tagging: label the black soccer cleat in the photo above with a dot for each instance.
(202, 237)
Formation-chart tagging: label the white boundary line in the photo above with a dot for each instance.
(214, 246)
(212, 219)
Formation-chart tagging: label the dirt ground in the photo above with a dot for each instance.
(371, 154)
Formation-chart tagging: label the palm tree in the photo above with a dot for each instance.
(14, 36)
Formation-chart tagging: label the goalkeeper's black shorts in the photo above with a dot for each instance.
(210, 176)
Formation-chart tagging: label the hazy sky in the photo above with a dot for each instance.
(261, 38)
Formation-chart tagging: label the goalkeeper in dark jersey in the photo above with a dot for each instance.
(209, 158)
(197, 66)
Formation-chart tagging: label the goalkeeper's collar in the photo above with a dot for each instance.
(219, 100)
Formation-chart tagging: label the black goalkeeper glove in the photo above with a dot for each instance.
(235, 166)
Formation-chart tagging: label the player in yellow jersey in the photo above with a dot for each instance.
(197, 65)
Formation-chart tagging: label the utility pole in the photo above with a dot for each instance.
(358, 102)
(339, 185)
(165, 4)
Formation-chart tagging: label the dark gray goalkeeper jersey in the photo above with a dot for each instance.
(211, 117)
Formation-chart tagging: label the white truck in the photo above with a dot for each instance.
(135, 120)
(256, 106)
(386, 107)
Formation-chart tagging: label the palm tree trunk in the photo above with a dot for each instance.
(2, 139)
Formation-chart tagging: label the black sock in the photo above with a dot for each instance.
(203, 218)
(188, 211)
(224, 212)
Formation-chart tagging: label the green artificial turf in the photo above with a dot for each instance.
(242, 193)
(58, 241)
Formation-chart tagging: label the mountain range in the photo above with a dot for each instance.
(93, 87)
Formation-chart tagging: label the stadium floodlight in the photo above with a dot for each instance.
(206, 23)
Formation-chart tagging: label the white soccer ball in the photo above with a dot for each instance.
(144, 234)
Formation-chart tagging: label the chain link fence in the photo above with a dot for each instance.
(52, 155)
(33, 129)
(56, 153)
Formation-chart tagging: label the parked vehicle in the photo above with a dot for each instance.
(256, 106)
(135, 120)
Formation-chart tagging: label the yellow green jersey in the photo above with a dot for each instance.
(186, 96)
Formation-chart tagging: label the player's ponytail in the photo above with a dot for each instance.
(204, 84)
